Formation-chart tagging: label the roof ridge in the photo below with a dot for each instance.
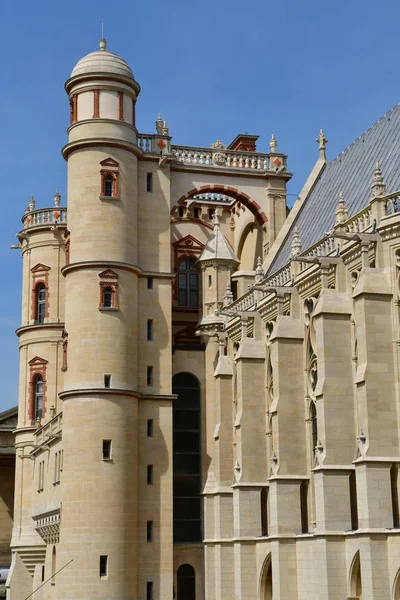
(364, 133)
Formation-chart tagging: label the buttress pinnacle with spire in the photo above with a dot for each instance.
(296, 243)
(378, 185)
(342, 212)
(259, 272)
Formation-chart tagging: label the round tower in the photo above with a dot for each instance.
(100, 405)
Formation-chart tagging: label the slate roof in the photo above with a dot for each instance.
(352, 173)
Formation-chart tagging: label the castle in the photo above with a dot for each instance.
(209, 383)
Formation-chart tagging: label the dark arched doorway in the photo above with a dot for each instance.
(186, 580)
(186, 454)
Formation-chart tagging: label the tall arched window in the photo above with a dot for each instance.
(107, 297)
(40, 303)
(188, 283)
(314, 425)
(38, 398)
(186, 457)
(266, 580)
(186, 579)
(355, 578)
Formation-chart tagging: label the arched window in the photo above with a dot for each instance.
(107, 297)
(188, 283)
(40, 303)
(355, 578)
(266, 580)
(186, 458)
(38, 398)
(108, 185)
(314, 426)
(186, 579)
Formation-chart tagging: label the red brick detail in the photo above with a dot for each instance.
(74, 108)
(40, 274)
(71, 111)
(253, 207)
(108, 279)
(96, 104)
(37, 366)
(67, 252)
(121, 106)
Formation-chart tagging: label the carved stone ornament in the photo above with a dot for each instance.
(49, 528)
(218, 158)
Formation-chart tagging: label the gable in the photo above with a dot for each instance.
(37, 361)
(108, 274)
(109, 162)
(188, 243)
(9, 418)
(40, 267)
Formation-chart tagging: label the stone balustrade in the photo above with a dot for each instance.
(145, 142)
(224, 158)
(391, 204)
(50, 429)
(280, 278)
(361, 221)
(44, 216)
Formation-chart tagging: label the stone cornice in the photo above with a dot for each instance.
(229, 171)
(102, 77)
(65, 395)
(45, 326)
(106, 264)
(68, 149)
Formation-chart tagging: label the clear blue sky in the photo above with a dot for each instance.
(213, 70)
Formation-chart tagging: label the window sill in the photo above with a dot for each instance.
(109, 198)
(106, 308)
(110, 460)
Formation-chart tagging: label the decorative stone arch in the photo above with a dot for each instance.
(355, 582)
(239, 196)
(245, 247)
(266, 585)
(396, 587)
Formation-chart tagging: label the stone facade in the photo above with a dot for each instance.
(194, 423)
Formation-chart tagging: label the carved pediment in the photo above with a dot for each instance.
(37, 362)
(188, 243)
(109, 162)
(39, 268)
(108, 274)
(9, 419)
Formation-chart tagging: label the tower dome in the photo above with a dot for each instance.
(102, 61)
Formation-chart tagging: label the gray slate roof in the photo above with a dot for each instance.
(352, 173)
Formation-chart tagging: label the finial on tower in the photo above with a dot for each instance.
(103, 43)
(259, 272)
(296, 243)
(321, 141)
(216, 219)
(57, 199)
(342, 212)
(161, 126)
(273, 144)
(31, 203)
(378, 185)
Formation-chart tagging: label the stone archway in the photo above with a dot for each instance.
(355, 582)
(266, 586)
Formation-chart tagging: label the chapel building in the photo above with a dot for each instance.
(209, 383)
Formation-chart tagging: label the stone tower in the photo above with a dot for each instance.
(113, 400)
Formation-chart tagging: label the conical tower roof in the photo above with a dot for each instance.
(217, 247)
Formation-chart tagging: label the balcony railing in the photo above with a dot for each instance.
(44, 216)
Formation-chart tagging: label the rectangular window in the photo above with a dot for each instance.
(353, 501)
(149, 532)
(103, 566)
(181, 212)
(211, 212)
(149, 283)
(149, 329)
(304, 506)
(106, 449)
(149, 590)
(209, 281)
(264, 511)
(57, 466)
(149, 376)
(149, 427)
(41, 477)
(196, 213)
(149, 474)
(107, 381)
(149, 182)
(43, 572)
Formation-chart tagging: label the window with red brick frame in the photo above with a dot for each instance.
(40, 293)
(108, 290)
(37, 389)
